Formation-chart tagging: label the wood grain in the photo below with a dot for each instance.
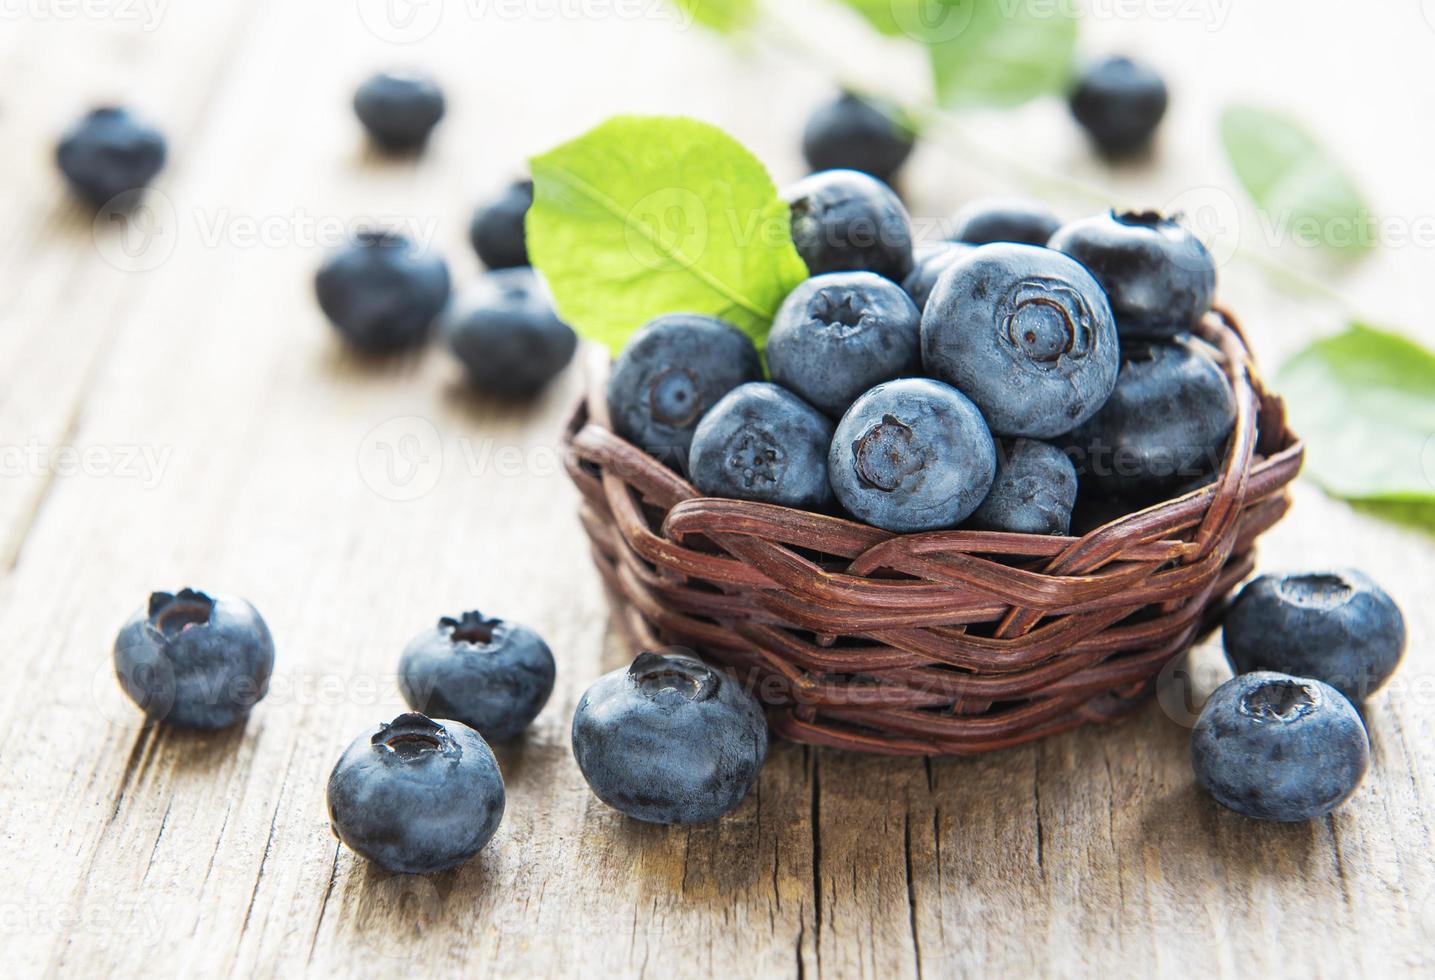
(126, 849)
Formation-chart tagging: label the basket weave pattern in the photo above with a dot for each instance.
(943, 643)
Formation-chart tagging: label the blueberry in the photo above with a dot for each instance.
(497, 230)
(1166, 422)
(844, 220)
(109, 151)
(1336, 626)
(854, 133)
(838, 335)
(504, 330)
(1027, 334)
(1275, 747)
(399, 109)
(670, 373)
(1034, 491)
(1119, 102)
(416, 796)
(492, 675)
(762, 442)
(669, 739)
(929, 262)
(382, 292)
(912, 455)
(1003, 219)
(195, 660)
(1159, 277)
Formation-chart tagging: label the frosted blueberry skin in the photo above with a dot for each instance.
(761, 442)
(929, 262)
(1166, 423)
(669, 374)
(195, 660)
(490, 674)
(1004, 219)
(505, 331)
(912, 455)
(1033, 493)
(669, 740)
(382, 292)
(109, 151)
(843, 220)
(1274, 747)
(1119, 102)
(416, 796)
(1027, 334)
(399, 109)
(853, 133)
(1336, 626)
(497, 230)
(1158, 276)
(839, 334)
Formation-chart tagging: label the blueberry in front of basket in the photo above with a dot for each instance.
(761, 442)
(928, 264)
(1275, 747)
(1119, 102)
(109, 151)
(839, 334)
(1033, 493)
(1004, 219)
(1159, 277)
(669, 374)
(399, 109)
(497, 229)
(912, 455)
(669, 739)
(195, 659)
(416, 796)
(382, 292)
(843, 220)
(1335, 626)
(490, 674)
(855, 133)
(1027, 334)
(505, 331)
(1166, 423)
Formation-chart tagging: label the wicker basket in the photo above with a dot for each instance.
(944, 643)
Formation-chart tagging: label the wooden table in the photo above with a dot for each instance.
(173, 411)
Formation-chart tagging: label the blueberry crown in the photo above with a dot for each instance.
(1280, 700)
(472, 628)
(173, 613)
(653, 673)
(411, 735)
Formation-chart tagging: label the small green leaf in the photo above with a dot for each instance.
(724, 16)
(1364, 401)
(648, 215)
(1309, 199)
(993, 52)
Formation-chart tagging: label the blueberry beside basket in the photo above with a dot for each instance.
(941, 643)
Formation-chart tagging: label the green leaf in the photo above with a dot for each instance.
(724, 16)
(1307, 196)
(646, 215)
(993, 52)
(1364, 401)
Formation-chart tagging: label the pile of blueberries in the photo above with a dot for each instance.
(1024, 376)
